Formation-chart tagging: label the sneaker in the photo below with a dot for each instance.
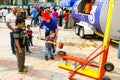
(24, 71)
(52, 58)
(46, 58)
(26, 67)
(28, 51)
(14, 53)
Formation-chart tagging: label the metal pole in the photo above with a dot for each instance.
(106, 37)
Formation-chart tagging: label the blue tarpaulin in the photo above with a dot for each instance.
(67, 3)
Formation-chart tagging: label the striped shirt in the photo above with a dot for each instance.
(19, 35)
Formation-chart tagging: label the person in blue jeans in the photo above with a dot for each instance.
(10, 23)
(50, 23)
(33, 13)
(49, 45)
(12, 43)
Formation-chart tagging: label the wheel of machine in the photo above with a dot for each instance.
(106, 78)
(77, 29)
(62, 53)
(81, 33)
(109, 67)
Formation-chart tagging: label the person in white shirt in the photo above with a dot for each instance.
(0, 15)
(10, 22)
(5, 13)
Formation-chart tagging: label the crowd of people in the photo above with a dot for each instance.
(21, 34)
(61, 15)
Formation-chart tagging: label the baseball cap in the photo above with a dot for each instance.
(46, 16)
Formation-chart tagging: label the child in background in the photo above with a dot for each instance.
(49, 46)
(29, 34)
(66, 18)
(19, 37)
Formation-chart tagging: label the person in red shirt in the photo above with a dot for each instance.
(66, 18)
(29, 34)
